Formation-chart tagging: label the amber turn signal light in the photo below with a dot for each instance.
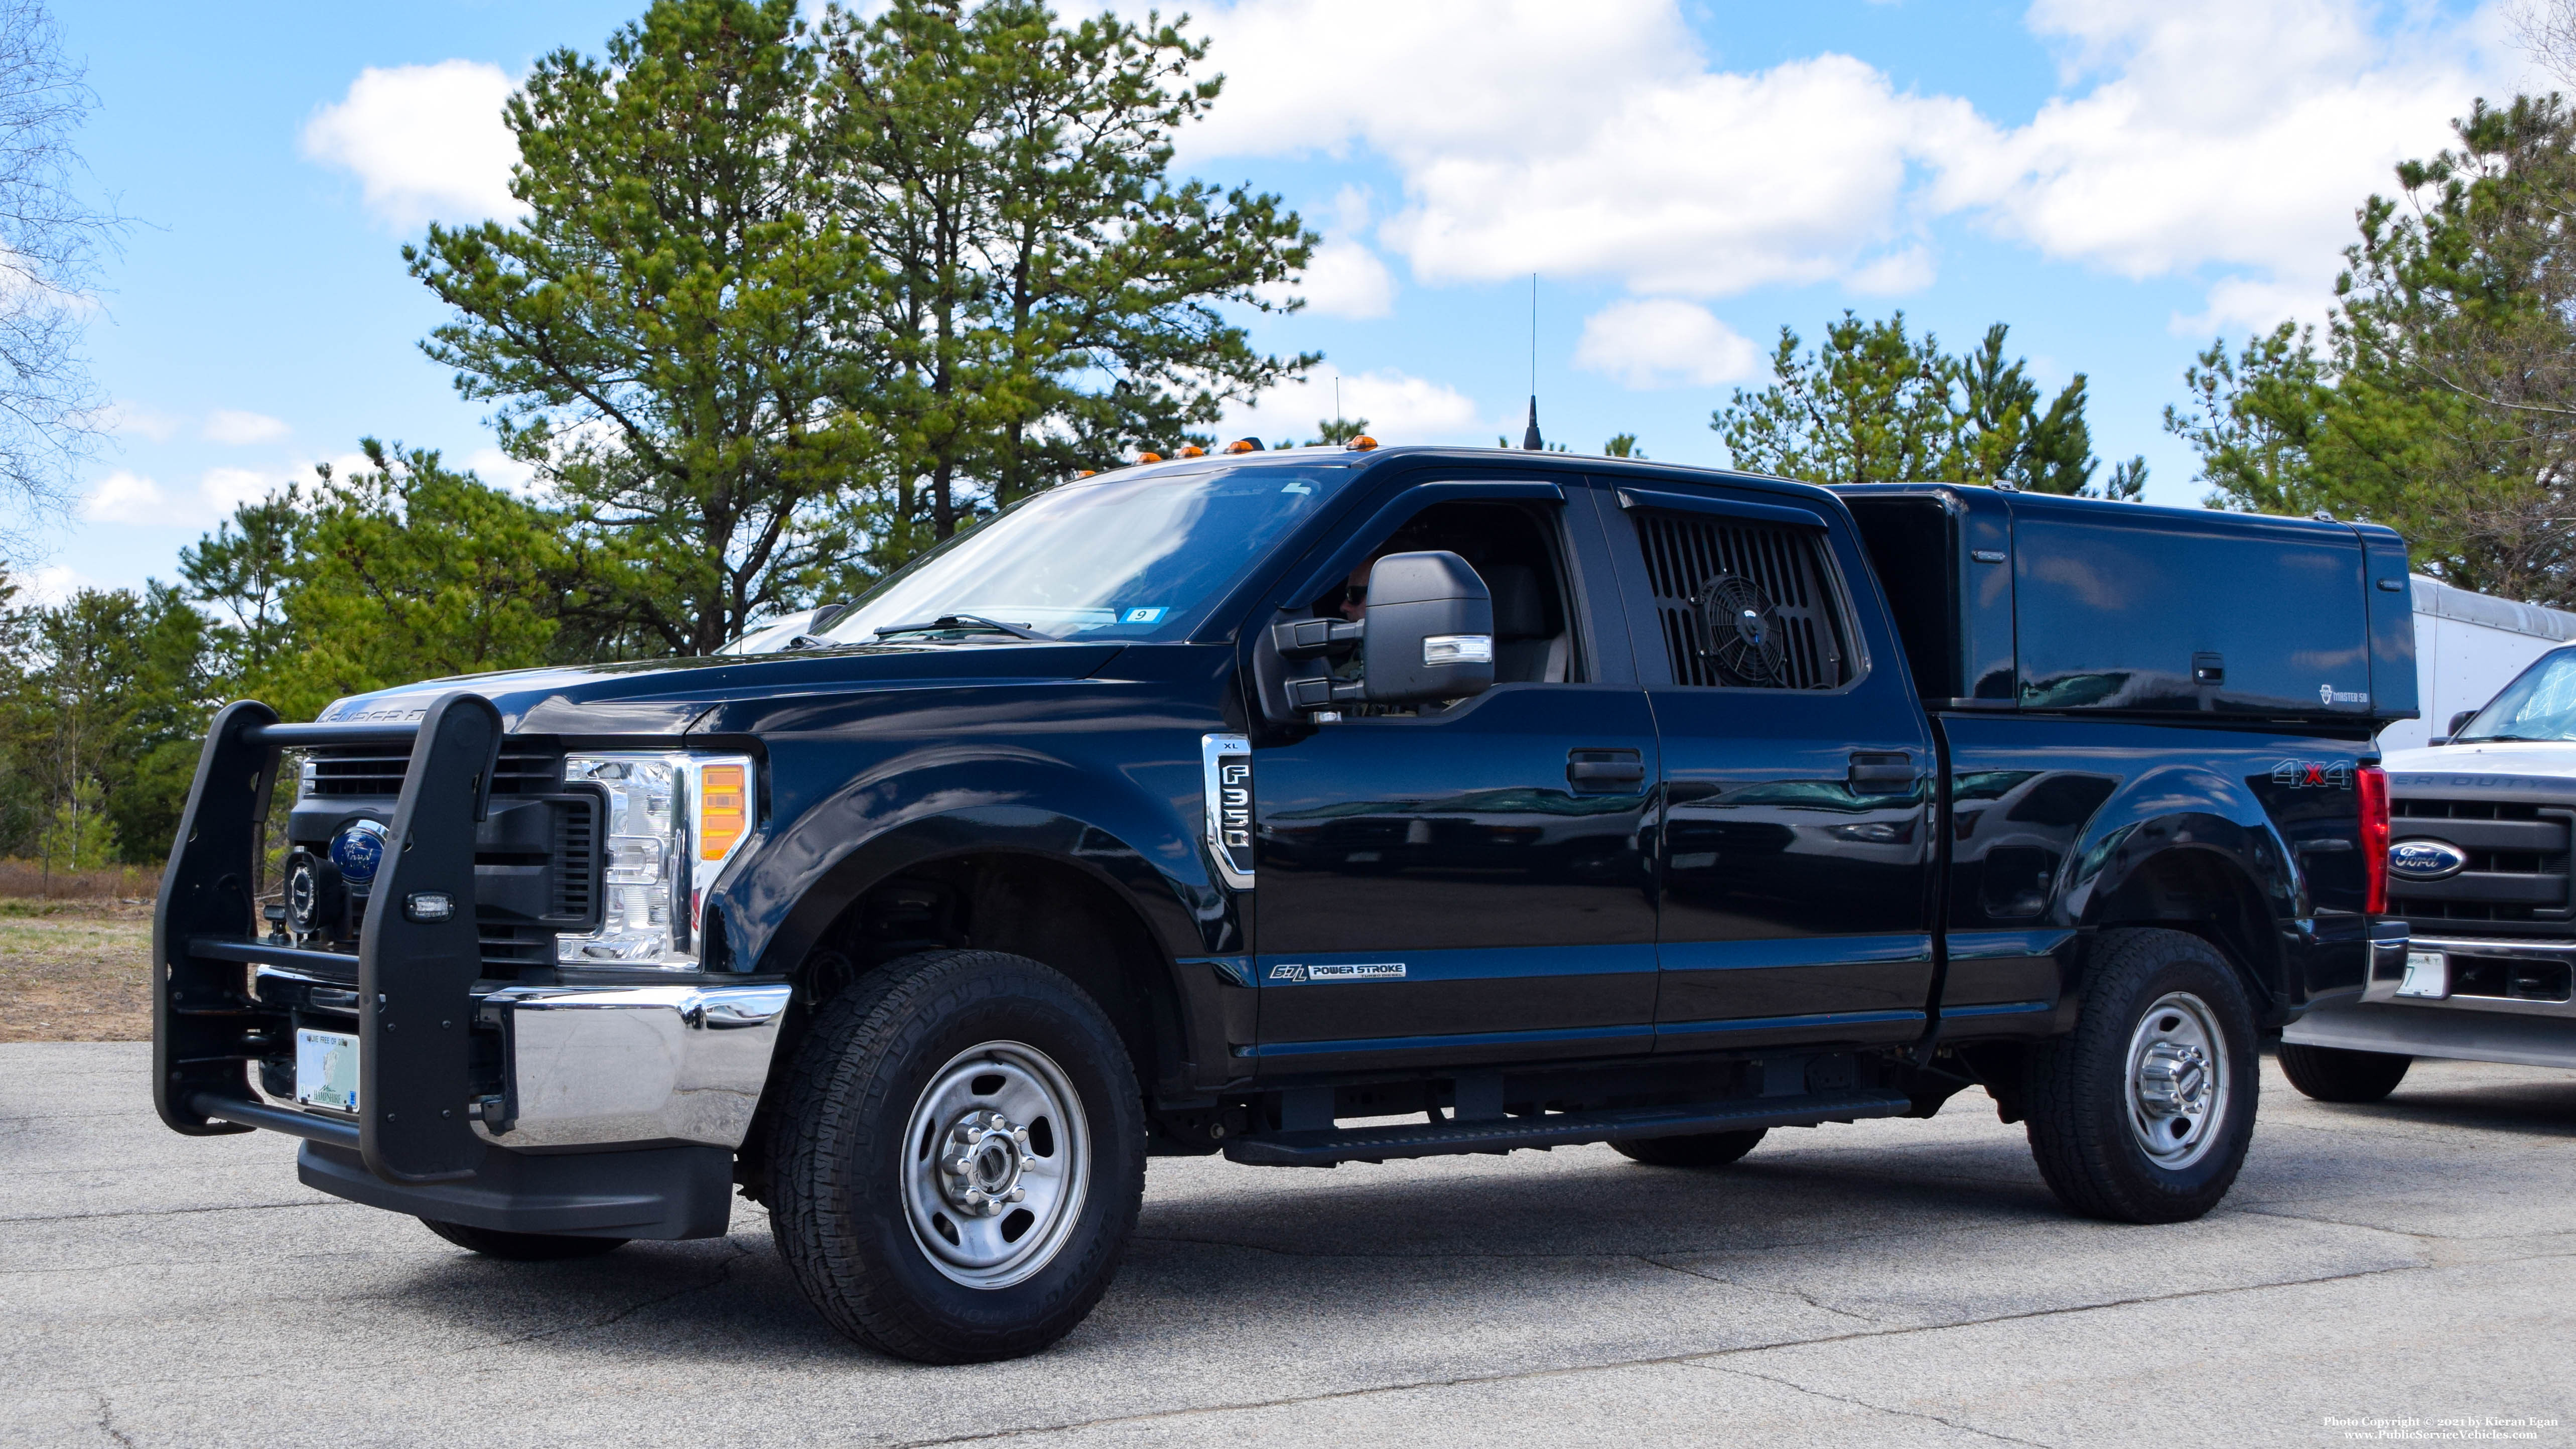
(724, 812)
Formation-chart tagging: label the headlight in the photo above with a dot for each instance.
(672, 822)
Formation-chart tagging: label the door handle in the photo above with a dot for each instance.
(1597, 769)
(1881, 774)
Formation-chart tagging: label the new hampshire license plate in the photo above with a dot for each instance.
(326, 1070)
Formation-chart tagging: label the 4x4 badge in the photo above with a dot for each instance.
(2313, 774)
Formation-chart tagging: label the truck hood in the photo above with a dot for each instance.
(2555, 760)
(662, 696)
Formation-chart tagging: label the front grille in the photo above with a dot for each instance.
(343, 773)
(576, 858)
(371, 771)
(508, 950)
(2515, 884)
(536, 858)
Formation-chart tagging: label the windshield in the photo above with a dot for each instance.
(2539, 705)
(1125, 558)
(770, 638)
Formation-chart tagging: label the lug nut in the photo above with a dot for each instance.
(974, 1197)
(962, 1166)
(1018, 1193)
(1020, 1135)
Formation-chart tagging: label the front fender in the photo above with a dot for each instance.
(953, 799)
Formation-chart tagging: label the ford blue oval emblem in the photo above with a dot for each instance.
(358, 850)
(2426, 859)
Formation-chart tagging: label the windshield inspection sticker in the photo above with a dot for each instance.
(1143, 616)
(1346, 971)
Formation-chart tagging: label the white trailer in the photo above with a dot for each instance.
(2468, 646)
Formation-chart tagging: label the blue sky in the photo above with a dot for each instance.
(2118, 183)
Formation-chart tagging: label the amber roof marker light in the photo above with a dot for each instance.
(1149, 457)
(1361, 444)
(1192, 450)
(1244, 445)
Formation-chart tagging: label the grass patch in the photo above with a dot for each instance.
(75, 971)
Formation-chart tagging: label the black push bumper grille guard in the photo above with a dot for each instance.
(416, 965)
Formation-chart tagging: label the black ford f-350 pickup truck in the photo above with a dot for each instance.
(1311, 807)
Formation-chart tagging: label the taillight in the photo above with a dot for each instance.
(2374, 838)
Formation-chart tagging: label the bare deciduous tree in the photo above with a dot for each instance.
(52, 238)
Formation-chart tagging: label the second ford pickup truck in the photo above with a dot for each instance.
(1309, 807)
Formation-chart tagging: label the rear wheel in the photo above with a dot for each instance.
(2333, 1074)
(522, 1247)
(961, 1158)
(1695, 1149)
(2144, 1112)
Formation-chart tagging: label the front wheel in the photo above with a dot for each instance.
(961, 1158)
(2334, 1074)
(2144, 1112)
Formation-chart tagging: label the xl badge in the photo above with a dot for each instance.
(2426, 859)
(358, 850)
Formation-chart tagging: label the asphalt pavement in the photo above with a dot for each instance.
(2378, 1271)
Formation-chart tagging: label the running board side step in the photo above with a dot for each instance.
(1324, 1147)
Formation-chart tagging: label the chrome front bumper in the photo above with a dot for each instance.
(586, 1067)
(2385, 977)
(600, 1066)
(2469, 1028)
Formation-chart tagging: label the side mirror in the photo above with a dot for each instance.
(2458, 722)
(1430, 633)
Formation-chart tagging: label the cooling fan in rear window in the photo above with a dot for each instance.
(1740, 630)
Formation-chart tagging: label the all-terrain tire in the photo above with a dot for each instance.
(2087, 1126)
(2335, 1074)
(1692, 1149)
(848, 1178)
(522, 1247)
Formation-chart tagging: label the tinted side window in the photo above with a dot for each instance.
(1743, 603)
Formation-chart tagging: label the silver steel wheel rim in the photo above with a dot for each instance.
(2177, 1080)
(996, 1159)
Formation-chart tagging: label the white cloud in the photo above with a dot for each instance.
(501, 470)
(1345, 279)
(228, 425)
(426, 142)
(1399, 409)
(1895, 274)
(131, 498)
(123, 497)
(2230, 139)
(2220, 133)
(129, 421)
(221, 490)
(1663, 343)
(56, 583)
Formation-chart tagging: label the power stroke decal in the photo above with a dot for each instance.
(1338, 971)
